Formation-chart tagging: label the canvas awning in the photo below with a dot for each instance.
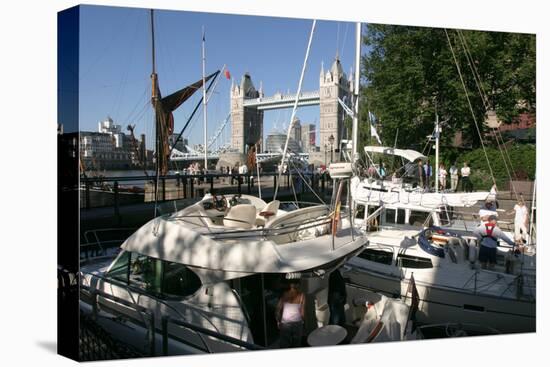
(408, 154)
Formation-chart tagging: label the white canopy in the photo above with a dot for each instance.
(408, 154)
(373, 193)
(171, 240)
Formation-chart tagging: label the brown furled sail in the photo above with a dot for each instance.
(165, 119)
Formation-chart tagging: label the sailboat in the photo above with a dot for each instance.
(412, 231)
(211, 273)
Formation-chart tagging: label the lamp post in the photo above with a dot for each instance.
(326, 155)
(331, 141)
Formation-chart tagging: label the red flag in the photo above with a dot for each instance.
(227, 75)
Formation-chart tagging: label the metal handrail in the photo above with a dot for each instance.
(138, 308)
(143, 293)
(198, 330)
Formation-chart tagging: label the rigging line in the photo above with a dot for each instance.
(484, 99)
(344, 39)
(305, 181)
(124, 79)
(193, 113)
(470, 105)
(477, 79)
(484, 95)
(475, 68)
(337, 38)
(292, 186)
(143, 95)
(208, 97)
(105, 50)
(298, 92)
(495, 131)
(507, 154)
(142, 112)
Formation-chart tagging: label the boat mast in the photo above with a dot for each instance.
(355, 156)
(154, 102)
(204, 100)
(436, 151)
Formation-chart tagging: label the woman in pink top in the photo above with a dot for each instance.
(290, 317)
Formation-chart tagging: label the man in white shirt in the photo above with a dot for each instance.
(453, 171)
(521, 220)
(466, 183)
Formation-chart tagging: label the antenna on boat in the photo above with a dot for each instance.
(355, 155)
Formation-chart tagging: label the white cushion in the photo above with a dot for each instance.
(270, 208)
(240, 216)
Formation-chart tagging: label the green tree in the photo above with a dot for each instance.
(410, 72)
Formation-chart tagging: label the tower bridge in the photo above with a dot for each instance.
(248, 106)
(279, 100)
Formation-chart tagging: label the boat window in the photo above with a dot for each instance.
(119, 270)
(445, 215)
(418, 218)
(379, 256)
(415, 262)
(360, 212)
(179, 280)
(390, 215)
(145, 272)
(400, 216)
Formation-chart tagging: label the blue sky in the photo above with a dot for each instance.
(115, 62)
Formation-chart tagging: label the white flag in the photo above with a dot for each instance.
(373, 132)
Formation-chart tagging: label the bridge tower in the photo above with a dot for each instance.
(332, 85)
(247, 123)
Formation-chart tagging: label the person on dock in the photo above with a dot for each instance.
(465, 180)
(442, 177)
(521, 220)
(427, 175)
(488, 235)
(453, 171)
(290, 313)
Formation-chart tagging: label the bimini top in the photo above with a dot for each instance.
(408, 154)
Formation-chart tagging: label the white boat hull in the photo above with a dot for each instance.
(440, 304)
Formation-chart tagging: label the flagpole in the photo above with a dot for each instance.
(204, 101)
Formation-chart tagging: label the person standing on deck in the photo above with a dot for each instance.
(521, 220)
(453, 171)
(337, 297)
(290, 313)
(488, 235)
